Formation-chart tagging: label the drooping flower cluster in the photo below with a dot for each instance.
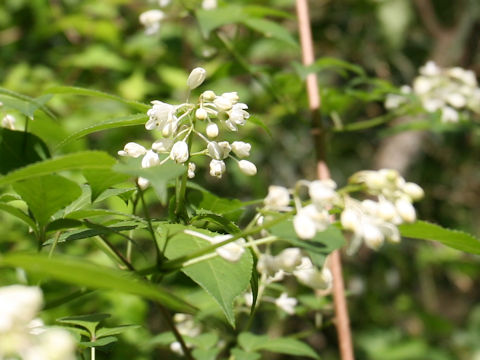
(450, 91)
(375, 221)
(22, 335)
(179, 125)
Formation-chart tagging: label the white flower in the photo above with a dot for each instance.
(191, 170)
(267, 264)
(322, 192)
(217, 168)
(163, 145)
(132, 149)
(350, 220)
(238, 114)
(208, 95)
(160, 115)
(8, 122)
(304, 226)
(53, 344)
(241, 149)
(372, 235)
(432, 104)
(176, 347)
(289, 259)
(209, 4)
(422, 85)
(456, 100)
(310, 276)
(19, 305)
(430, 69)
(405, 210)
(150, 159)
(386, 210)
(286, 303)
(247, 167)
(449, 115)
(218, 151)
(196, 78)
(231, 96)
(232, 251)
(143, 183)
(222, 103)
(179, 152)
(414, 191)
(320, 217)
(212, 130)
(393, 101)
(163, 3)
(277, 199)
(201, 114)
(151, 20)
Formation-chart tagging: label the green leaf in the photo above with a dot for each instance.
(89, 322)
(72, 90)
(158, 176)
(45, 195)
(100, 342)
(18, 148)
(453, 238)
(282, 345)
(329, 63)
(18, 214)
(230, 208)
(239, 354)
(77, 161)
(80, 272)
(270, 29)
(25, 104)
(324, 242)
(132, 120)
(114, 331)
(209, 20)
(222, 279)
(101, 180)
(203, 354)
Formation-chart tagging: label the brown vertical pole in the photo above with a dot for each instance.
(342, 319)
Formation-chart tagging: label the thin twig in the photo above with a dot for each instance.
(308, 57)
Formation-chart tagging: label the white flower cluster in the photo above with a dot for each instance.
(376, 221)
(449, 91)
(24, 336)
(292, 261)
(152, 19)
(176, 124)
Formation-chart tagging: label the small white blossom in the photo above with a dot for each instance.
(289, 259)
(247, 167)
(160, 115)
(241, 149)
(212, 130)
(143, 183)
(430, 69)
(201, 114)
(304, 226)
(191, 170)
(217, 168)
(405, 210)
(449, 115)
(179, 152)
(278, 198)
(208, 95)
(286, 303)
(310, 276)
(209, 4)
(218, 151)
(196, 78)
(133, 149)
(322, 192)
(151, 19)
(150, 159)
(8, 122)
(414, 191)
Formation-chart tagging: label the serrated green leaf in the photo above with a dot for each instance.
(159, 176)
(80, 272)
(324, 242)
(132, 120)
(282, 345)
(222, 279)
(453, 238)
(45, 195)
(77, 161)
(270, 29)
(73, 90)
(18, 148)
(101, 180)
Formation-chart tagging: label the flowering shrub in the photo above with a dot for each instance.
(213, 269)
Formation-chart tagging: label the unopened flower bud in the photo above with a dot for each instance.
(196, 78)
(209, 95)
(201, 114)
(278, 198)
(241, 149)
(304, 226)
(414, 191)
(386, 210)
(8, 122)
(143, 183)
(350, 220)
(289, 259)
(405, 210)
(373, 236)
(191, 170)
(150, 159)
(217, 168)
(179, 152)
(212, 130)
(133, 149)
(247, 167)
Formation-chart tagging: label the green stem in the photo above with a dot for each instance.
(180, 198)
(54, 245)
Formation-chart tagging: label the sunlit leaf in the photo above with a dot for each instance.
(283, 345)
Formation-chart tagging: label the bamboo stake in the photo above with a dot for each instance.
(342, 319)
